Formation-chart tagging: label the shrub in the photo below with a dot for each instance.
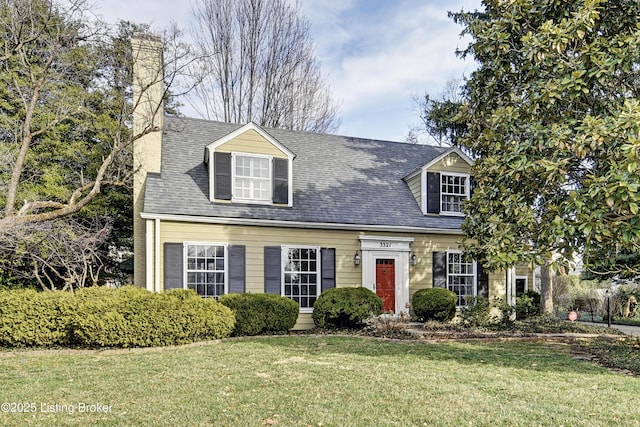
(479, 313)
(97, 316)
(258, 314)
(29, 318)
(434, 304)
(134, 317)
(345, 307)
(527, 304)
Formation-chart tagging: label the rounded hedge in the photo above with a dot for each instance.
(345, 307)
(259, 314)
(35, 319)
(102, 317)
(434, 304)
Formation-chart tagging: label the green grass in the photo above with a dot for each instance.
(328, 381)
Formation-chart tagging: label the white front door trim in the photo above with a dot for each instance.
(395, 248)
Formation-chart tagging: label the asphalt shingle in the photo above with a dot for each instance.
(336, 179)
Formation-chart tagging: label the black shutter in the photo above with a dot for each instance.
(280, 181)
(237, 270)
(482, 277)
(439, 269)
(328, 272)
(222, 176)
(433, 192)
(173, 265)
(272, 269)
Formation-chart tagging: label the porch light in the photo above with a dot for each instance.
(414, 259)
(356, 259)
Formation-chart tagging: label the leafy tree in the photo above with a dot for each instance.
(260, 66)
(553, 115)
(66, 104)
(440, 115)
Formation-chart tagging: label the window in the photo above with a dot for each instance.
(461, 277)
(454, 189)
(521, 284)
(252, 178)
(301, 276)
(206, 272)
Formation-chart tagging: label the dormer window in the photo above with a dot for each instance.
(442, 185)
(454, 190)
(446, 192)
(250, 166)
(252, 178)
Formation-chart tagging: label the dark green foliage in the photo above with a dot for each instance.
(481, 313)
(551, 115)
(102, 317)
(345, 307)
(527, 304)
(258, 314)
(434, 304)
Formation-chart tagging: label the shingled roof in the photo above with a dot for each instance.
(336, 179)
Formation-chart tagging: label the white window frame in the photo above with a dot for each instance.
(186, 269)
(285, 258)
(526, 283)
(473, 275)
(467, 191)
(235, 198)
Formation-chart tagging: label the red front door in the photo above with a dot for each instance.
(386, 284)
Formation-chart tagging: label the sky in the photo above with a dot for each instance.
(377, 55)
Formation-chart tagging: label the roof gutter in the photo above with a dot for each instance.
(299, 224)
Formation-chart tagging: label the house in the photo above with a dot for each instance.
(223, 207)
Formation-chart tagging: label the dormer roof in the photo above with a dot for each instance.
(336, 179)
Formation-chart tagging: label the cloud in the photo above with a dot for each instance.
(377, 54)
(390, 54)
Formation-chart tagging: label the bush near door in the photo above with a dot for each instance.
(345, 307)
(434, 304)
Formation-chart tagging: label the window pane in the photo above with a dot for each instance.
(453, 192)
(205, 269)
(460, 277)
(252, 178)
(301, 276)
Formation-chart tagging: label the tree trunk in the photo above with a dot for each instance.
(546, 289)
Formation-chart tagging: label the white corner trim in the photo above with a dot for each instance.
(156, 256)
(148, 255)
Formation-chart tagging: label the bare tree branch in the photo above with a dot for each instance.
(260, 66)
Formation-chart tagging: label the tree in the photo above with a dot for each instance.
(66, 105)
(553, 116)
(440, 116)
(260, 66)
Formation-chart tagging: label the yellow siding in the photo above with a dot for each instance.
(415, 185)
(345, 243)
(256, 238)
(451, 163)
(251, 142)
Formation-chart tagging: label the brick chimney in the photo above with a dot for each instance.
(148, 118)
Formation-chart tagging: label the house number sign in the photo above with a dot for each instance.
(397, 244)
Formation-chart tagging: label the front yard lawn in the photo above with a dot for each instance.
(313, 381)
